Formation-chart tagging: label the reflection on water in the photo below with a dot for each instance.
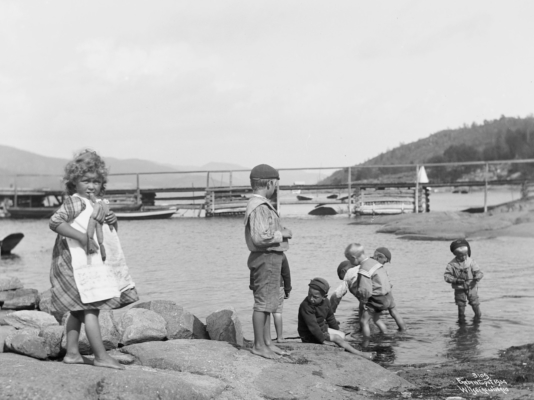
(201, 264)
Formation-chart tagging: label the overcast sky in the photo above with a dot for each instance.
(291, 83)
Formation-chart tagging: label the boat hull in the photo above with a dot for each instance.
(141, 215)
(30, 212)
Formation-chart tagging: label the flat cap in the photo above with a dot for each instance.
(264, 171)
(385, 252)
(320, 284)
(461, 243)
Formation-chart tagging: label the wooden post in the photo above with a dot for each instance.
(208, 180)
(213, 203)
(416, 198)
(486, 188)
(15, 198)
(138, 190)
(230, 180)
(349, 200)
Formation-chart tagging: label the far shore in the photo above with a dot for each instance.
(515, 219)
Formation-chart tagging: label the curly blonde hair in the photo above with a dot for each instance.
(84, 162)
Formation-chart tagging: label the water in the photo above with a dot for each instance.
(201, 264)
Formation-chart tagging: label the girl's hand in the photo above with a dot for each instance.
(111, 218)
(92, 246)
(98, 213)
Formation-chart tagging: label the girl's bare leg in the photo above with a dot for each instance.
(267, 337)
(342, 343)
(366, 317)
(398, 319)
(73, 325)
(92, 330)
(380, 323)
(279, 326)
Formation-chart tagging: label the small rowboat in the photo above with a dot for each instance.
(138, 215)
(9, 242)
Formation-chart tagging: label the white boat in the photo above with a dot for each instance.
(385, 207)
(138, 215)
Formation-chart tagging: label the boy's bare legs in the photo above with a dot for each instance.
(344, 344)
(478, 313)
(398, 319)
(279, 326)
(365, 319)
(73, 325)
(260, 348)
(267, 337)
(461, 313)
(379, 322)
(92, 330)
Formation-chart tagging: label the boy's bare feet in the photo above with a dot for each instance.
(108, 362)
(265, 352)
(76, 359)
(278, 350)
(279, 340)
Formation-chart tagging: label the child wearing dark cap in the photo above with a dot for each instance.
(267, 241)
(383, 256)
(316, 321)
(463, 273)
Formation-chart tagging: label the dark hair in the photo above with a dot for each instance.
(256, 183)
(84, 162)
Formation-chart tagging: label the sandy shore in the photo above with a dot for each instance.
(514, 220)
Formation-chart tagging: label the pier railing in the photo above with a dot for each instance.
(226, 191)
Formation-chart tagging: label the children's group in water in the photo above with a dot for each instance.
(89, 272)
(365, 277)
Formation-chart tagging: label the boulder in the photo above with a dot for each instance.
(108, 331)
(4, 332)
(30, 319)
(29, 345)
(33, 379)
(181, 324)
(53, 336)
(10, 283)
(19, 332)
(21, 299)
(224, 325)
(140, 325)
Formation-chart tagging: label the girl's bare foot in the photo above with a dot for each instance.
(278, 350)
(108, 362)
(76, 359)
(265, 352)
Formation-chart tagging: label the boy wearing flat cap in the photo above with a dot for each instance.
(267, 241)
(463, 273)
(316, 321)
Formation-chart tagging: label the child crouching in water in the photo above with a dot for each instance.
(81, 283)
(316, 321)
(463, 273)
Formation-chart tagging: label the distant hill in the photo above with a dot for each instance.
(502, 139)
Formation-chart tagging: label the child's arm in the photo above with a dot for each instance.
(477, 273)
(286, 276)
(65, 214)
(261, 232)
(308, 314)
(338, 294)
(331, 319)
(449, 275)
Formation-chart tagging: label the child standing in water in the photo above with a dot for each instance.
(463, 273)
(85, 177)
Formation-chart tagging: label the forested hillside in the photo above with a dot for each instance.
(507, 138)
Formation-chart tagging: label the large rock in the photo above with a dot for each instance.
(52, 336)
(30, 319)
(308, 373)
(31, 346)
(21, 299)
(33, 379)
(181, 324)
(4, 332)
(140, 325)
(224, 325)
(10, 283)
(45, 305)
(108, 331)
(18, 332)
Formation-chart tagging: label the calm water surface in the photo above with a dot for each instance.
(201, 264)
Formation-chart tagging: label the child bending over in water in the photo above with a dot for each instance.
(316, 321)
(85, 177)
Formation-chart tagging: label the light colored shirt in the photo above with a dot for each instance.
(350, 279)
(263, 229)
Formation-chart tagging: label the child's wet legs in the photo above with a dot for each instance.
(92, 330)
(398, 319)
(344, 344)
(267, 337)
(476, 310)
(366, 329)
(461, 313)
(379, 322)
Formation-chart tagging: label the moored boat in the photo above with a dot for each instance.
(303, 197)
(139, 215)
(30, 212)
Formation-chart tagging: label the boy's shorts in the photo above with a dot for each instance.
(381, 302)
(462, 296)
(265, 269)
(281, 301)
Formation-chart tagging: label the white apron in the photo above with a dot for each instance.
(94, 279)
(116, 260)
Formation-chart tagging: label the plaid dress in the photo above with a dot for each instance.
(65, 296)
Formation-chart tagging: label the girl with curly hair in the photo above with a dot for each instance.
(81, 283)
